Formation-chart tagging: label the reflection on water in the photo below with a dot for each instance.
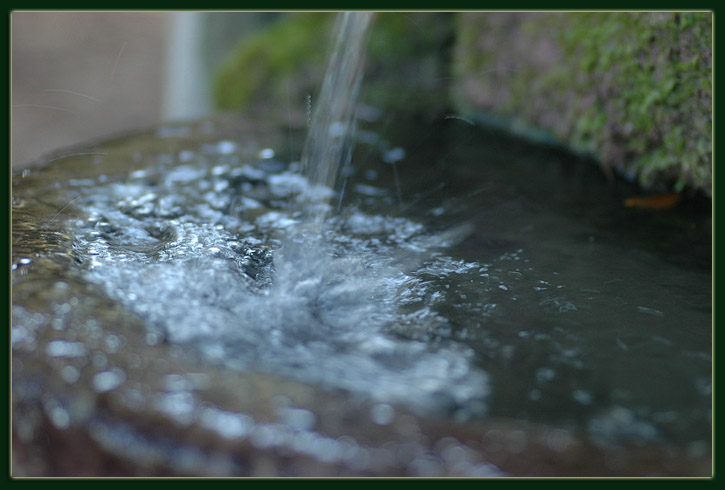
(568, 324)
(468, 275)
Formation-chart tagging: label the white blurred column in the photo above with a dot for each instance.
(186, 92)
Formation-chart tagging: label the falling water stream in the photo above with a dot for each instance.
(329, 142)
(467, 277)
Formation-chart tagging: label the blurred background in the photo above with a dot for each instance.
(631, 89)
(78, 77)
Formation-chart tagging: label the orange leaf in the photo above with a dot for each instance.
(657, 201)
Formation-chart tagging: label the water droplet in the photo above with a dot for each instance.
(226, 147)
(582, 396)
(298, 418)
(229, 425)
(62, 348)
(382, 413)
(113, 343)
(152, 339)
(70, 374)
(59, 417)
(336, 129)
(559, 440)
(108, 380)
(179, 405)
(62, 309)
(266, 153)
(394, 155)
(186, 156)
(545, 374)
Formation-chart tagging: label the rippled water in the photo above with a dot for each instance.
(460, 272)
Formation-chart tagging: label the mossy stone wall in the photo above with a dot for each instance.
(633, 89)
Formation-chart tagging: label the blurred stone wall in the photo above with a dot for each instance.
(80, 76)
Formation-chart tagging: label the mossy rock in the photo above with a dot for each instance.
(632, 89)
(406, 69)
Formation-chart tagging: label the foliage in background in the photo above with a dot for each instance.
(407, 63)
(283, 62)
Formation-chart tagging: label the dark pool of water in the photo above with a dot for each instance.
(580, 309)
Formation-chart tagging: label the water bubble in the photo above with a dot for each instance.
(337, 129)
(63, 308)
(425, 466)
(179, 405)
(559, 440)
(108, 380)
(545, 374)
(620, 424)
(266, 153)
(173, 131)
(229, 425)
(62, 348)
(394, 155)
(70, 374)
(368, 190)
(59, 417)
(264, 436)
(186, 156)
(298, 418)
(226, 147)
(454, 452)
(152, 338)
(582, 396)
(382, 413)
(20, 335)
(113, 343)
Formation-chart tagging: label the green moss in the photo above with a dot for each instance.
(261, 66)
(406, 67)
(633, 89)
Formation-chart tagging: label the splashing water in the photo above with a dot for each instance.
(223, 258)
(251, 290)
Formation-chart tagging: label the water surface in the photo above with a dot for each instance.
(460, 273)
